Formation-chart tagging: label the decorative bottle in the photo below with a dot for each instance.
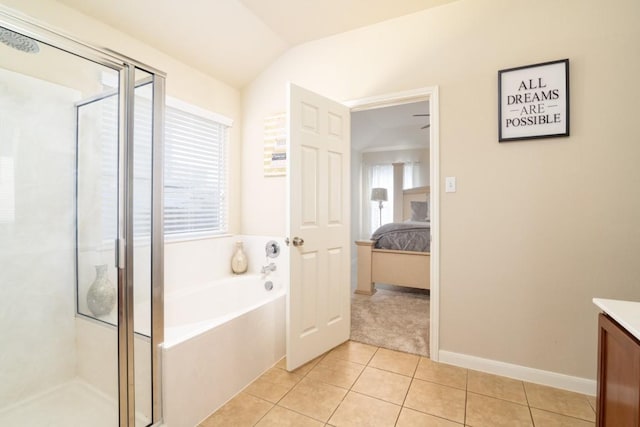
(239, 261)
(101, 296)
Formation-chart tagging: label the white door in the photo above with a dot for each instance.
(318, 301)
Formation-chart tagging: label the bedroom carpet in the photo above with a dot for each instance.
(393, 319)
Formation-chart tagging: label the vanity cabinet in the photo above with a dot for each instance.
(618, 375)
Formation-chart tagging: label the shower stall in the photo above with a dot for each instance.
(81, 242)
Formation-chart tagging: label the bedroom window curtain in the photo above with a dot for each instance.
(409, 179)
(377, 176)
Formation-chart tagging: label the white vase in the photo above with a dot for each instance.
(239, 261)
(101, 297)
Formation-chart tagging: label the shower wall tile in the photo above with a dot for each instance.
(37, 260)
(97, 347)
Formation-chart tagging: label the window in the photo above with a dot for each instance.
(410, 174)
(195, 166)
(195, 174)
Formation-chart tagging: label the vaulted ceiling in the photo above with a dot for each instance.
(234, 40)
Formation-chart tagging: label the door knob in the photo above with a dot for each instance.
(297, 241)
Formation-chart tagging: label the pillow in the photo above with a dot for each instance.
(419, 211)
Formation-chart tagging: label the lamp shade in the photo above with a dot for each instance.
(379, 194)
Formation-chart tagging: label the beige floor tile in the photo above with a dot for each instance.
(435, 399)
(593, 402)
(353, 352)
(395, 361)
(410, 418)
(281, 377)
(441, 373)
(383, 385)
(302, 370)
(336, 372)
(314, 398)
(484, 411)
(282, 417)
(242, 410)
(549, 419)
(559, 401)
(496, 386)
(267, 390)
(360, 410)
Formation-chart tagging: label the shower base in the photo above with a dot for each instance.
(71, 404)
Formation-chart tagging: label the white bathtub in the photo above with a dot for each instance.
(189, 312)
(218, 338)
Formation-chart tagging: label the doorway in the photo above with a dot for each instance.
(394, 138)
(312, 120)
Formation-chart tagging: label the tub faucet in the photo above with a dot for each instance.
(268, 268)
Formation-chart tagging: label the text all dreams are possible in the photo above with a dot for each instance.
(533, 111)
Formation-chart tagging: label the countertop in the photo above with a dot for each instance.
(626, 313)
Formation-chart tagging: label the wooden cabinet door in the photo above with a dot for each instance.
(618, 376)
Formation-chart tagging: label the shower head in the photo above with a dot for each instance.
(18, 41)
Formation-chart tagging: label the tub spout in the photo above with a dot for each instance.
(268, 268)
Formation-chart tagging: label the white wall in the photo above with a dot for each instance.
(536, 228)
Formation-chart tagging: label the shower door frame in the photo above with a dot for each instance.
(126, 67)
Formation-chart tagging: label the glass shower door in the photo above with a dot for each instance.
(56, 216)
(80, 252)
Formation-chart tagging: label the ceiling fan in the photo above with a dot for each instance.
(423, 115)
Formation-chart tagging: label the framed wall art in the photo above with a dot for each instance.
(275, 145)
(533, 101)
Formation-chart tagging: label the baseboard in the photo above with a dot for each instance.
(538, 376)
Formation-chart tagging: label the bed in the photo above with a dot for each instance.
(399, 253)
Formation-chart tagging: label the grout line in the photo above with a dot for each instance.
(304, 415)
(303, 376)
(564, 415)
(265, 414)
(320, 359)
(526, 397)
(466, 395)
(406, 395)
(348, 390)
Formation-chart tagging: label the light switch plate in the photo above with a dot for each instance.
(450, 184)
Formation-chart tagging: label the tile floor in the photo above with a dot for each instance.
(362, 385)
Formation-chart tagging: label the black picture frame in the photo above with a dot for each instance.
(533, 101)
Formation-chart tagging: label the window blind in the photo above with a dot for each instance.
(195, 169)
(195, 174)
